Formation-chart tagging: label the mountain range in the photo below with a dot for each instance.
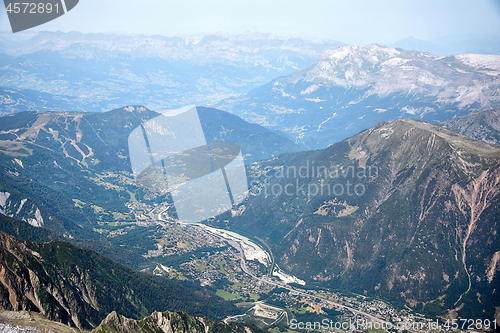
(399, 201)
(451, 45)
(71, 171)
(99, 72)
(332, 91)
(352, 88)
(405, 210)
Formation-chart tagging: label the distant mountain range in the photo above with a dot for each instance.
(250, 48)
(406, 211)
(352, 88)
(98, 72)
(346, 89)
(451, 45)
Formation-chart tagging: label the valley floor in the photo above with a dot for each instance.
(244, 272)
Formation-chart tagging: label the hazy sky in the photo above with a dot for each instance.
(349, 21)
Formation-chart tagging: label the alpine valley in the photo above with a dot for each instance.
(391, 222)
(42, 203)
(405, 212)
(67, 171)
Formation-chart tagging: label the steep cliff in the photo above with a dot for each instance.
(75, 286)
(169, 322)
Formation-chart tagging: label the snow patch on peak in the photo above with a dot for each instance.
(394, 62)
(310, 89)
(376, 50)
(3, 200)
(337, 54)
(480, 61)
(374, 53)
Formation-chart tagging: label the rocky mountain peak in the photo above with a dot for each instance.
(387, 70)
(351, 88)
(117, 323)
(424, 211)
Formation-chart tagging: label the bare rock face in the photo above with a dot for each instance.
(116, 323)
(168, 322)
(77, 287)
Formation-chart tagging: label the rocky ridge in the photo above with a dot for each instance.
(168, 322)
